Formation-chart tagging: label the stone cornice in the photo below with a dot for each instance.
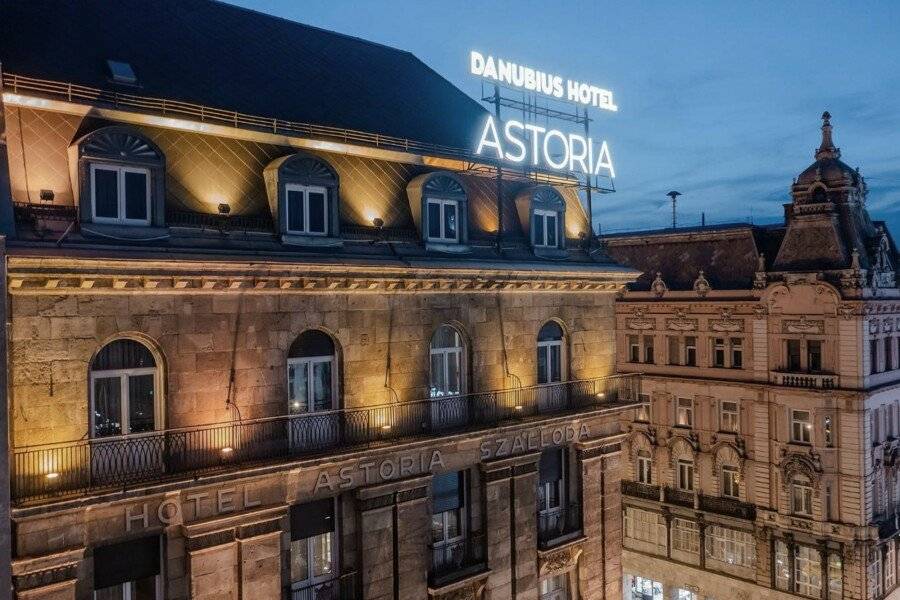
(34, 275)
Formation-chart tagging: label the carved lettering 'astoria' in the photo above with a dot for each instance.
(533, 440)
(366, 472)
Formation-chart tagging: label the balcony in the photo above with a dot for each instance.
(679, 497)
(636, 489)
(556, 526)
(85, 466)
(819, 381)
(457, 560)
(339, 588)
(729, 507)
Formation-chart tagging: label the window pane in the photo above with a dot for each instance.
(140, 403)
(106, 193)
(437, 527)
(107, 406)
(438, 376)
(555, 363)
(298, 386)
(295, 215)
(136, 196)
(538, 230)
(434, 220)
(144, 589)
(453, 523)
(450, 221)
(115, 592)
(299, 560)
(322, 386)
(454, 380)
(316, 212)
(542, 353)
(322, 554)
(551, 230)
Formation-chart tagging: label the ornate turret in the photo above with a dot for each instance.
(828, 168)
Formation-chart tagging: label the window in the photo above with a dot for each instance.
(728, 418)
(443, 220)
(129, 570)
(807, 571)
(782, 566)
(814, 355)
(685, 475)
(690, 351)
(120, 194)
(311, 373)
(448, 518)
(555, 587)
(835, 576)
(644, 467)
(873, 572)
(731, 482)
(551, 488)
(873, 356)
(730, 546)
(546, 228)
(827, 427)
(648, 349)
(801, 497)
(801, 426)
(737, 353)
(123, 386)
(313, 546)
(307, 209)
(550, 353)
(685, 536)
(447, 364)
(683, 594)
(643, 410)
(718, 352)
(674, 350)
(888, 353)
(643, 588)
(793, 355)
(684, 416)
(634, 349)
(890, 566)
(646, 526)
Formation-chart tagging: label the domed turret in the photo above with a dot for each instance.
(828, 168)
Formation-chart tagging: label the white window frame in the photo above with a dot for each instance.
(729, 420)
(120, 171)
(447, 540)
(685, 536)
(646, 526)
(801, 497)
(545, 216)
(546, 347)
(124, 375)
(442, 238)
(685, 474)
(644, 465)
(731, 546)
(684, 413)
(446, 354)
(554, 587)
(801, 428)
(835, 576)
(311, 579)
(309, 362)
(890, 566)
(731, 486)
(305, 190)
(807, 561)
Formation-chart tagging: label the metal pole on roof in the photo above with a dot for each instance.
(673, 195)
(590, 204)
(499, 176)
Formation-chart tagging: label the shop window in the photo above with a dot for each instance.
(644, 467)
(801, 426)
(129, 570)
(313, 551)
(123, 390)
(646, 526)
(685, 536)
(729, 416)
(731, 482)
(683, 594)
(731, 546)
(643, 588)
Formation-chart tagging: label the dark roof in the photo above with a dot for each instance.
(232, 58)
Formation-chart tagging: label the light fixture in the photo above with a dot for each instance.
(52, 476)
(601, 395)
(47, 195)
(227, 450)
(385, 427)
(519, 407)
(224, 208)
(378, 222)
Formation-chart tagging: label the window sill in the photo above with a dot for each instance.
(546, 252)
(448, 247)
(311, 241)
(135, 233)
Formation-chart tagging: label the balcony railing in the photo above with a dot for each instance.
(728, 506)
(82, 466)
(558, 525)
(636, 489)
(680, 497)
(456, 560)
(823, 381)
(339, 588)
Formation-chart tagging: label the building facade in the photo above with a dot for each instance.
(279, 337)
(763, 464)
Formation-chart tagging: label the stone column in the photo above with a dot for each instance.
(611, 469)
(212, 561)
(376, 551)
(259, 559)
(52, 577)
(413, 516)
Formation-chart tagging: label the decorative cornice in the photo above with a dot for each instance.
(36, 579)
(256, 529)
(216, 538)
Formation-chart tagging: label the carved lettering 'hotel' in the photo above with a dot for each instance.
(273, 333)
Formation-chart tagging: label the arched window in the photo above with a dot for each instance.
(311, 367)
(303, 193)
(447, 363)
(123, 390)
(550, 355)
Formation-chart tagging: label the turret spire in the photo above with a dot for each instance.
(827, 149)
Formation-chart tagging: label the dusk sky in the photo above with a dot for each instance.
(718, 100)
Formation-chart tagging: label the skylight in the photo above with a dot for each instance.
(121, 72)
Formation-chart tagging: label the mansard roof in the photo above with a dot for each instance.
(223, 56)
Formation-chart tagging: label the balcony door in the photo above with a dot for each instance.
(312, 392)
(447, 378)
(125, 411)
(314, 566)
(449, 526)
(550, 367)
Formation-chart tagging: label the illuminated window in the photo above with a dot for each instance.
(643, 588)
(311, 373)
(801, 426)
(685, 536)
(731, 482)
(728, 417)
(123, 390)
(545, 229)
(685, 475)
(120, 194)
(684, 416)
(644, 467)
(443, 220)
(646, 526)
(807, 571)
(307, 209)
(730, 546)
(782, 566)
(643, 410)
(683, 594)
(801, 497)
(313, 548)
(555, 587)
(447, 362)
(835, 576)
(828, 428)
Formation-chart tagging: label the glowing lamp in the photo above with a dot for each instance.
(519, 407)
(52, 476)
(227, 450)
(385, 427)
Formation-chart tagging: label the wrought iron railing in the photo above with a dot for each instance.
(636, 489)
(728, 506)
(118, 462)
(339, 588)
(455, 560)
(558, 524)
(680, 497)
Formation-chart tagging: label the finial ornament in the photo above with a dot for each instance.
(827, 148)
(659, 286)
(701, 285)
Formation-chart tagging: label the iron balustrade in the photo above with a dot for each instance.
(680, 497)
(82, 466)
(731, 507)
(557, 524)
(342, 587)
(636, 489)
(453, 560)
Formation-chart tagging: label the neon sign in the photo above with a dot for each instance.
(536, 145)
(532, 80)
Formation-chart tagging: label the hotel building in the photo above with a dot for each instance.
(273, 333)
(764, 462)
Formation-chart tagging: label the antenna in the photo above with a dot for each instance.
(673, 195)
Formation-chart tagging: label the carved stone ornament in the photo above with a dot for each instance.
(803, 326)
(760, 310)
(846, 311)
(701, 285)
(640, 324)
(463, 593)
(561, 560)
(795, 463)
(873, 326)
(727, 323)
(681, 324)
(659, 287)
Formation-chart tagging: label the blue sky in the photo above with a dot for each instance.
(718, 100)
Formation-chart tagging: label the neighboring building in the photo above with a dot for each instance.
(764, 463)
(270, 335)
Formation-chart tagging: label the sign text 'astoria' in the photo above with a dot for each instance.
(532, 80)
(540, 146)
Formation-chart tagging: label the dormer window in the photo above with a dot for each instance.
(307, 209)
(439, 206)
(120, 194)
(542, 214)
(443, 220)
(544, 231)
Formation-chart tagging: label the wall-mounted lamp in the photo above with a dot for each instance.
(378, 222)
(224, 208)
(47, 195)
